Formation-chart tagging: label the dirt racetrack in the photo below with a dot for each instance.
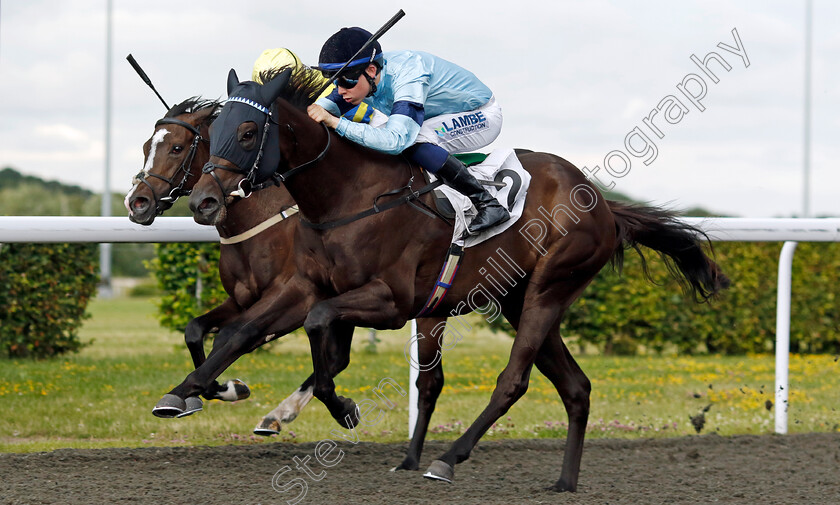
(790, 469)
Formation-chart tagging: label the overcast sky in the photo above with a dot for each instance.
(573, 78)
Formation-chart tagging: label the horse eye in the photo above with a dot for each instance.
(177, 149)
(248, 135)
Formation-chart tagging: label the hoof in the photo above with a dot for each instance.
(169, 406)
(561, 487)
(439, 470)
(233, 390)
(267, 427)
(407, 464)
(194, 404)
(349, 416)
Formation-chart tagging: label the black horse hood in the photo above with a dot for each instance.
(249, 101)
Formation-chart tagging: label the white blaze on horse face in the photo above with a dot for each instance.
(134, 183)
(157, 138)
(127, 196)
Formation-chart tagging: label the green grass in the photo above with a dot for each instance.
(103, 396)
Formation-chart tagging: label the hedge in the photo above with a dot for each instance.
(627, 314)
(44, 292)
(188, 276)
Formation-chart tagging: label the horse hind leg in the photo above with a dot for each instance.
(536, 321)
(545, 303)
(288, 410)
(429, 386)
(556, 362)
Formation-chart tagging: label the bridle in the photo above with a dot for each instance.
(178, 190)
(247, 184)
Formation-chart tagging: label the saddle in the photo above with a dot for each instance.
(442, 203)
(503, 176)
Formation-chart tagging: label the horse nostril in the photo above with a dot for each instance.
(139, 203)
(207, 204)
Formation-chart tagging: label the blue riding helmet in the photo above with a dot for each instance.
(341, 46)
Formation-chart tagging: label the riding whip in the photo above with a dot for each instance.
(145, 77)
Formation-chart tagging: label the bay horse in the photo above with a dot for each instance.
(378, 271)
(173, 158)
(172, 161)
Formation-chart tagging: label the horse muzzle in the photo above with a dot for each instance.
(206, 209)
(140, 210)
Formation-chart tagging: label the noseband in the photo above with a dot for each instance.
(178, 190)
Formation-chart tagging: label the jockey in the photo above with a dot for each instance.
(272, 59)
(436, 108)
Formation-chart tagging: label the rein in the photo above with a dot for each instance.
(289, 173)
(178, 190)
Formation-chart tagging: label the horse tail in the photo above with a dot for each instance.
(678, 243)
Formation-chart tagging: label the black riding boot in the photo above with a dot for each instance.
(490, 211)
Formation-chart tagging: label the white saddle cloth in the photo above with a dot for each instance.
(501, 165)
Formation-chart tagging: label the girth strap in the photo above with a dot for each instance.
(444, 281)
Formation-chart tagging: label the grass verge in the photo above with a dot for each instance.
(102, 397)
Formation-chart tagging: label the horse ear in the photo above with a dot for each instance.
(233, 81)
(272, 89)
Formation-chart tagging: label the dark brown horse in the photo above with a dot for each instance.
(378, 271)
(251, 269)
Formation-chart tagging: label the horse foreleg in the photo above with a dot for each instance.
(429, 385)
(372, 305)
(198, 328)
(557, 364)
(239, 337)
(194, 336)
(291, 406)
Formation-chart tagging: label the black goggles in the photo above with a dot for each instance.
(346, 82)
